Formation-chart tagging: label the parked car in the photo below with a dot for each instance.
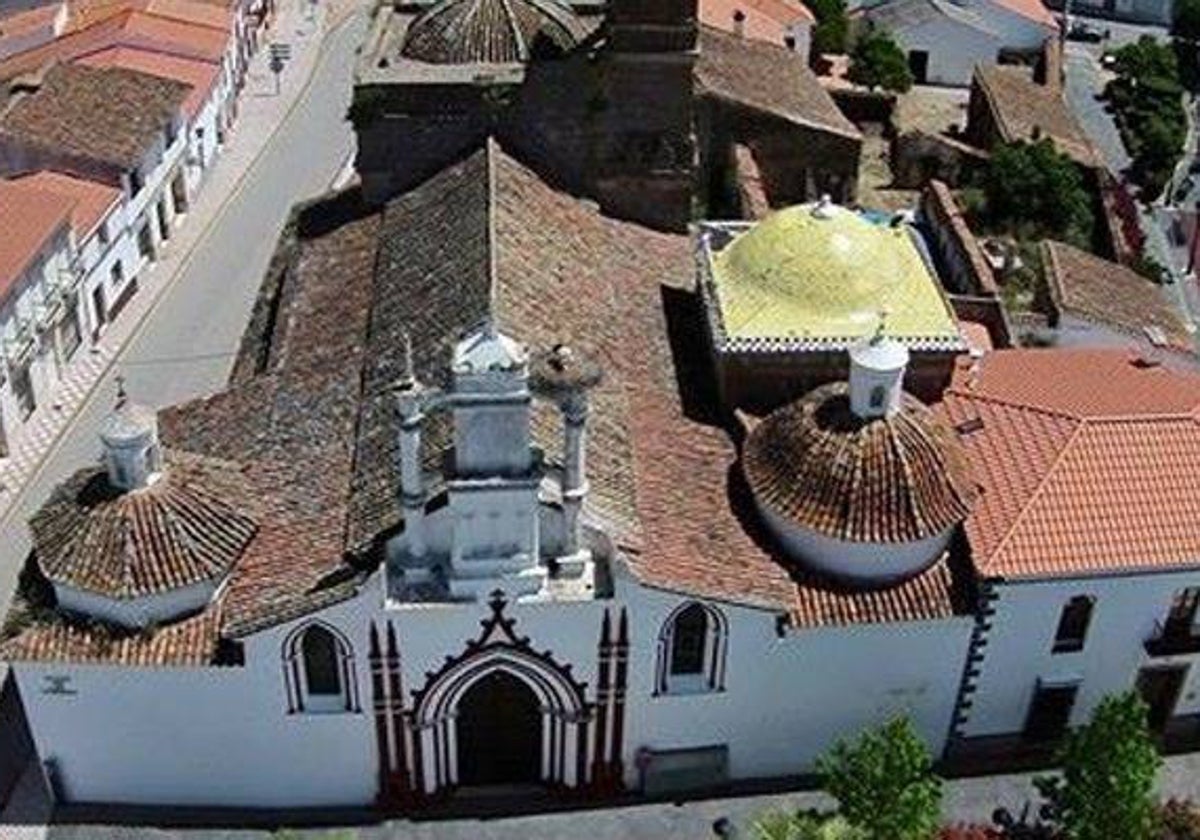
(1081, 31)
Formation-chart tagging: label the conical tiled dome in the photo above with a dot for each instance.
(872, 500)
(107, 548)
(885, 480)
(491, 31)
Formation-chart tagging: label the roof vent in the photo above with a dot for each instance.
(969, 425)
(823, 209)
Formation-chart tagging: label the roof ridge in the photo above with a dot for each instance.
(490, 149)
(1037, 493)
(515, 26)
(965, 393)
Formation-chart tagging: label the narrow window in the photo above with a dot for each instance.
(1073, 624)
(878, 395)
(688, 641)
(321, 662)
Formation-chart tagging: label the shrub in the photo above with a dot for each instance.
(878, 62)
(884, 783)
(1035, 186)
(1108, 769)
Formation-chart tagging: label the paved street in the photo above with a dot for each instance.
(965, 800)
(185, 347)
(1085, 81)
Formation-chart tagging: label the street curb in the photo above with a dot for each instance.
(186, 261)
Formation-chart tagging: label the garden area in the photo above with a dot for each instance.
(1104, 789)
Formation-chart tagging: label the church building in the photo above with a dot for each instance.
(494, 497)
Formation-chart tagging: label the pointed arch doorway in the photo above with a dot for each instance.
(499, 733)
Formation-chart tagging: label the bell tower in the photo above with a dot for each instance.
(646, 155)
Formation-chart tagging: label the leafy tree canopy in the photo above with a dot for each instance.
(1106, 789)
(1034, 185)
(1187, 19)
(831, 31)
(878, 62)
(781, 825)
(884, 783)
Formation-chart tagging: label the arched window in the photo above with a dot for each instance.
(688, 641)
(691, 650)
(1073, 624)
(320, 662)
(318, 669)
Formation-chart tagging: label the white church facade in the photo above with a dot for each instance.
(476, 516)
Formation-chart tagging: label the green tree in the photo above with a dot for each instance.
(1186, 23)
(832, 28)
(1106, 788)
(1034, 186)
(878, 62)
(884, 783)
(782, 825)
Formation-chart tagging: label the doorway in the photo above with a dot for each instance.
(1160, 688)
(918, 64)
(499, 732)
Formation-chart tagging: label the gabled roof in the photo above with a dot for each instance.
(1107, 293)
(92, 200)
(767, 78)
(899, 15)
(309, 413)
(29, 218)
(1022, 109)
(198, 74)
(1088, 460)
(770, 21)
(111, 115)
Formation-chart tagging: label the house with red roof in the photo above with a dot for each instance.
(40, 320)
(946, 39)
(780, 22)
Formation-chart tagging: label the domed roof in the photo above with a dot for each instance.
(821, 271)
(491, 31)
(893, 479)
(186, 529)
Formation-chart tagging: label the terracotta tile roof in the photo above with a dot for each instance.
(35, 18)
(1108, 293)
(187, 528)
(190, 11)
(490, 31)
(1089, 462)
(310, 418)
(199, 75)
(767, 78)
(75, 43)
(178, 36)
(110, 115)
(1024, 110)
(764, 20)
(29, 218)
(92, 200)
(893, 479)
(1035, 10)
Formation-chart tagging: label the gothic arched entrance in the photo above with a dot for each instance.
(499, 735)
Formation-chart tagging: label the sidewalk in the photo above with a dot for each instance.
(261, 112)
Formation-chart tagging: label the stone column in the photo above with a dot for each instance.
(410, 408)
(574, 486)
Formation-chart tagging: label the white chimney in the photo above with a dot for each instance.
(410, 409)
(132, 454)
(877, 371)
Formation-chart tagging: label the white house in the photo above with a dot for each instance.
(115, 126)
(469, 513)
(946, 39)
(40, 322)
(105, 247)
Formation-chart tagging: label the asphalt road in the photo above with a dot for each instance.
(185, 347)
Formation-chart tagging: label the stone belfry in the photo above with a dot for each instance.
(646, 156)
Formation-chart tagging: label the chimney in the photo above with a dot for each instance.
(877, 376)
(410, 409)
(739, 23)
(132, 454)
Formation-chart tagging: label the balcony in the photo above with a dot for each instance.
(1173, 639)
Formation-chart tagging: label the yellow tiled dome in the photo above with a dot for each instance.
(822, 271)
